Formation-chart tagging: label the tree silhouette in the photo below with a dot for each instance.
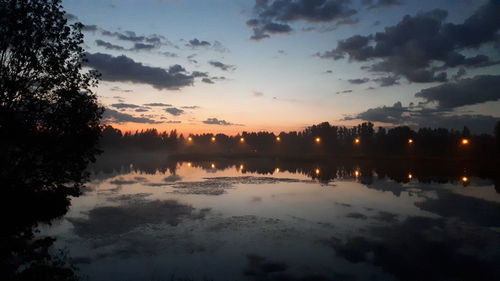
(49, 116)
(49, 128)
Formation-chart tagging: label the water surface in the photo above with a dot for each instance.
(156, 219)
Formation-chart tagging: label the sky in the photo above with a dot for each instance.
(228, 66)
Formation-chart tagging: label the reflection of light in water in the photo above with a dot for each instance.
(318, 140)
(190, 139)
(278, 139)
(464, 179)
(213, 139)
(357, 173)
(465, 141)
(410, 176)
(357, 140)
(189, 164)
(242, 139)
(277, 170)
(316, 171)
(213, 166)
(410, 141)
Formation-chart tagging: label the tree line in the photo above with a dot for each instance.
(321, 140)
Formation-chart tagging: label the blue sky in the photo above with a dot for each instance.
(297, 73)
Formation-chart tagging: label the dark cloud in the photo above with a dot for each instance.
(157, 104)
(221, 65)
(468, 91)
(215, 121)
(197, 43)
(108, 45)
(124, 69)
(387, 81)
(199, 74)
(190, 107)
(143, 47)
(420, 117)
(207, 80)
(344, 92)
(358, 81)
(174, 111)
(142, 110)
(124, 105)
(373, 4)
(422, 47)
(70, 17)
(90, 28)
(113, 116)
(273, 17)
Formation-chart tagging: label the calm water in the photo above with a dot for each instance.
(154, 219)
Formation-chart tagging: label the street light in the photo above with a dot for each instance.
(213, 139)
(278, 139)
(357, 141)
(318, 140)
(410, 141)
(242, 139)
(190, 139)
(465, 141)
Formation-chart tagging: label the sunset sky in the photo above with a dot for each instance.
(240, 65)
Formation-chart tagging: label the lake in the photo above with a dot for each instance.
(146, 217)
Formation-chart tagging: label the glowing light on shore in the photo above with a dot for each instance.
(317, 171)
(242, 139)
(465, 141)
(317, 140)
(213, 139)
(357, 141)
(242, 167)
(464, 179)
(410, 176)
(212, 166)
(190, 139)
(277, 170)
(410, 141)
(189, 164)
(278, 139)
(357, 173)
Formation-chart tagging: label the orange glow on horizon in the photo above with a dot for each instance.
(242, 167)
(190, 139)
(465, 141)
(242, 139)
(277, 170)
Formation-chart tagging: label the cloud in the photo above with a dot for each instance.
(358, 81)
(272, 17)
(344, 92)
(373, 4)
(420, 117)
(422, 47)
(70, 17)
(215, 121)
(142, 110)
(124, 105)
(197, 43)
(124, 69)
(207, 80)
(190, 107)
(108, 45)
(143, 47)
(221, 65)
(387, 81)
(468, 91)
(89, 28)
(113, 116)
(174, 111)
(157, 104)
(169, 54)
(258, 94)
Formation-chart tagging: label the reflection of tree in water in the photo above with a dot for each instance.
(49, 126)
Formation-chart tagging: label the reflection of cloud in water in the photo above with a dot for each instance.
(218, 185)
(469, 209)
(172, 178)
(425, 249)
(114, 220)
